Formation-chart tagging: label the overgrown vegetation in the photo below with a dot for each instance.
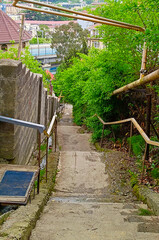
(89, 80)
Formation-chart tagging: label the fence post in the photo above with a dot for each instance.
(131, 130)
(148, 123)
(47, 140)
(55, 134)
(38, 185)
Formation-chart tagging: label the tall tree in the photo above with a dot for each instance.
(44, 31)
(126, 44)
(68, 40)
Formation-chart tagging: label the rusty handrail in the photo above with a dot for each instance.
(48, 134)
(85, 16)
(140, 130)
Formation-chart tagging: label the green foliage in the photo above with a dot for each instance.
(127, 44)
(28, 60)
(43, 147)
(44, 31)
(32, 15)
(88, 84)
(90, 80)
(68, 40)
(39, 40)
(133, 178)
(145, 212)
(155, 173)
(138, 144)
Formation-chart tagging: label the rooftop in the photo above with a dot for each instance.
(9, 30)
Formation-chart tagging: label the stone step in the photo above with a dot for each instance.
(82, 220)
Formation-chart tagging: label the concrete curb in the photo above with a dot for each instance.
(148, 196)
(20, 223)
(152, 198)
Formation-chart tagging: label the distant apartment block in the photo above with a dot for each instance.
(94, 40)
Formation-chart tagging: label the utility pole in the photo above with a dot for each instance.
(21, 35)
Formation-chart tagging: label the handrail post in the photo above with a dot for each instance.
(131, 130)
(143, 163)
(38, 184)
(55, 134)
(148, 123)
(101, 142)
(47, 140)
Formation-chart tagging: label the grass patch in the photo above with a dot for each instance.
(4, 217)
(43, 147)
(145, 212)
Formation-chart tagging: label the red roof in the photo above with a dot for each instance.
(9, 30)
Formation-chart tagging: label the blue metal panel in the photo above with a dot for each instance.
(15, 183)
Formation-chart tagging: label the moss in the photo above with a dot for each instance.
(4, 217)
(3, 234)
(136, 191)
(100, 149)
(145, 212)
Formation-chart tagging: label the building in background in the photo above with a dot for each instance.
(94, 40)
(9, 30)
(33, 26)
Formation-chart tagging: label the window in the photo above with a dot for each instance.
(23, 44)
(96, 44)
(4, 47)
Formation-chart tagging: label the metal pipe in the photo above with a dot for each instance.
(143, 63)
(14, 121)
(47, 156)
(20, 36)
(140, 130)
(38, 185)
(131, 130)
(51, 125)
(148, 78)
(148, 123)
(134, 27)
(91, 19)
(55, 135)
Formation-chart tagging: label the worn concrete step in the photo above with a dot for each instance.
(75, 221)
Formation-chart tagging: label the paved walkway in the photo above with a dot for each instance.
(80, 208)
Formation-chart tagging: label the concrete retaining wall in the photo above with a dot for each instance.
(23, 97)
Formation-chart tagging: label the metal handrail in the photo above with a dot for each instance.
(140, 130)
(14, 121)
(41, 129)
(84, 16)
(48, 134)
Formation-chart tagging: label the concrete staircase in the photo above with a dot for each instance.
(82, 208)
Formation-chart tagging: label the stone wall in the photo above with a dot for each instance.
(22, 96)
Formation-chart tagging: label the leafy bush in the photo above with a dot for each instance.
(133, 178)
(88, 84)
(40, 40)
(138, 144)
